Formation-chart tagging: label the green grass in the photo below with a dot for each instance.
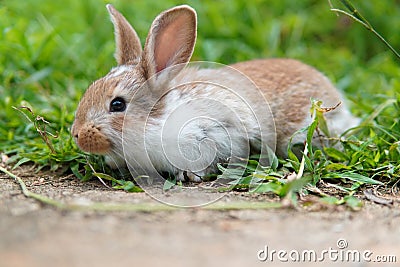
(50, 51)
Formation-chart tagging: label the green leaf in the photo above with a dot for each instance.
(356, 177)
(293, 160)
(310, 135)
(337, 167)
(331, 200)
(335, 154)
(128, 186)
(361, 178)
(294, 186)
(21, 161)
(75, 170)
(273, 159)
(104, 176)
(169, 184)
(267, 187)
(353, 202)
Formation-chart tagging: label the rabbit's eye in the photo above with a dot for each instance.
(117, 105)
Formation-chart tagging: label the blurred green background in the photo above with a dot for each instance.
(50, 51)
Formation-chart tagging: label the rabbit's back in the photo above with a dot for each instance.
(288, 85)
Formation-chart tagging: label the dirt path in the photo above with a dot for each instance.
(35, 235)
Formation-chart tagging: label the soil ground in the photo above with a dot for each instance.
(33, 234)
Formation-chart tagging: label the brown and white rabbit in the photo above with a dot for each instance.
(156, 113)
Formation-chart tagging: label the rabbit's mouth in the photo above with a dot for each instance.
(90, 139)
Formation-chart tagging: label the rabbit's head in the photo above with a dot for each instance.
(101, 113)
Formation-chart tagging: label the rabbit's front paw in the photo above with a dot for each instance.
(188, 175)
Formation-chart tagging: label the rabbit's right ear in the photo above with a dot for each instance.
(128, 46)
(171, 40)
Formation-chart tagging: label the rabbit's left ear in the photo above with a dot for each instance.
(128, 46)
(171, 39)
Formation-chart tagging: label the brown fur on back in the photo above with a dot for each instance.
(278, 79)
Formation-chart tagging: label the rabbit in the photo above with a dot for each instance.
(154, 112)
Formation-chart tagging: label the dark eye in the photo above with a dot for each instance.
(117, 105)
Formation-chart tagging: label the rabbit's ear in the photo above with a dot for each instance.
(171, 39)
(128, 46)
